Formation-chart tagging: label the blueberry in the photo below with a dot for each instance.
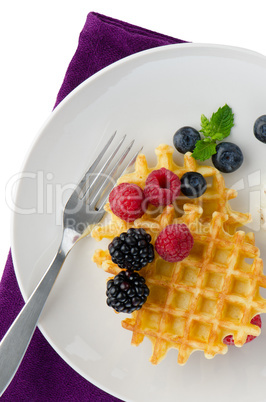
(193, 184)
(228, 157)
(259, 128)
(185, 139)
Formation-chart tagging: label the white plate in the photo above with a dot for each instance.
(148, 96)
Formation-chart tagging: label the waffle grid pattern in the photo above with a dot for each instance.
(204, 298)
(214, 292)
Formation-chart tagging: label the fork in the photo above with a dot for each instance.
(85, 209)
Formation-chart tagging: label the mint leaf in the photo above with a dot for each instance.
(218, 136)
(223, 120)
(206, 125)
(204, 149)
(214, 129)
(219, 125)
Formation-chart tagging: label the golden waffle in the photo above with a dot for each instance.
(215, 198)
(214, 292)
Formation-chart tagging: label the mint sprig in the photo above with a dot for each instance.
(204, 149)
(214, 129)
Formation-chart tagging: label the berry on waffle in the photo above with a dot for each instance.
(214, 292)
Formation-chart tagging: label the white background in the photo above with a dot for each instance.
(38, 40)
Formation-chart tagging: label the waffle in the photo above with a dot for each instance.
(214, 292)
(215, 198)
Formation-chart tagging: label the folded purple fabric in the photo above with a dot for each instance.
(43, 375)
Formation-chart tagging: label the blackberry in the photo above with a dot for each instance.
(132, 249)
(126, 292)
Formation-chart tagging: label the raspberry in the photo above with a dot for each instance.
(229, 339)
(174, 242)
(162, 187)
(127, 201)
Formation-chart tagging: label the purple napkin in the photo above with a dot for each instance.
(43, 375)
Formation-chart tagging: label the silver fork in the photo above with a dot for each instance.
(84, 208)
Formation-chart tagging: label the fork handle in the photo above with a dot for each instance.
(15, 342)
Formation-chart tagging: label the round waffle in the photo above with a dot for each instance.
(214, 292)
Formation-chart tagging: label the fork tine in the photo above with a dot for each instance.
(111, 175)
(128, 166)
(89, 189)
(131, 162)
(91, 169)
